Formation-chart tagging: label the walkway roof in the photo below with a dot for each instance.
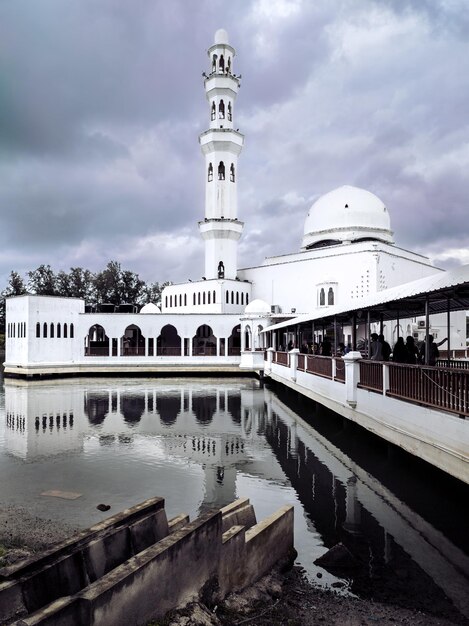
(443, 289)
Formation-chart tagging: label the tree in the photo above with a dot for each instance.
(117, 286)
(152, 293)
(42, 281)
(15, 287)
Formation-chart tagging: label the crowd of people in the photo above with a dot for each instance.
(403, 351)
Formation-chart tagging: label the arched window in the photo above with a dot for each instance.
(203, 297)
(247, 299)
(52, 330)
(38, 330)
(237, 297)
(228, 65)
(44, 330)
(232, 173)
(24, 329)
(322, 297)
(227, 297)
(230, 113)
(221, 171)
(221, 110)
(166, 301)
(59, 331)
(221, 63)
(214, 297)
(208, 297)
(180, 299)
(65, 331)
(185, 299)
(71, 331)
(232, 297)
(198, 298)
(330, 296)
(214, 111)
(193, 300)
(214, 62)
(242, 298)
(170, 302)
(210, 172)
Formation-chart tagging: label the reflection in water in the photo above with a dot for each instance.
(202, 445)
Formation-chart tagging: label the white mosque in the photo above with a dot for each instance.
(347, 254)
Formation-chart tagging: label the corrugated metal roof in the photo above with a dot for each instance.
(406, 300)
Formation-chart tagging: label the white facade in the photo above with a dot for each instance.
(347, 253)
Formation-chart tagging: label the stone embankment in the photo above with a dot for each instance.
(138, 565)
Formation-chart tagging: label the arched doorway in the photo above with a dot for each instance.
(96, 341)
(132, 342)
(247, 338)
(234, 341)
(169, 342)
(204, 342)
(259, 338)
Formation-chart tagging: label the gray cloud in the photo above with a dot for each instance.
(101, 103)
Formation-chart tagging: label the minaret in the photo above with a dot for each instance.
(221, 144)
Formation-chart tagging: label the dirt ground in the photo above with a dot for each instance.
(280, 599)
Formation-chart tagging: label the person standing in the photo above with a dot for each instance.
(412, 350)
(376, 348)
(399, 353)
(385, 348)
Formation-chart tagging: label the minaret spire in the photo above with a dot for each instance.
(221, 145)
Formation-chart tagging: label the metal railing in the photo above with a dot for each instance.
(133, 351)
(339, 370)
(169, 351)
(446, 389)
(281, 358)
(301, 362)
(371, 375)
(453, 364)
(94, 351)
(319, 365)
(204, 351)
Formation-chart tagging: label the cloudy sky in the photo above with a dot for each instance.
(102, 101)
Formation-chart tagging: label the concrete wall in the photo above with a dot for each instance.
(136, 566)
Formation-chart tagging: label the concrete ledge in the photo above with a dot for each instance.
(238, 513)
(177, 522)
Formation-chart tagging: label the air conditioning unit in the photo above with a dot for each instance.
(421, 323)
(275, 308)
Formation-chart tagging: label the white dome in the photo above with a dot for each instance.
(221, 36)
(346, 214)
(150, 308)
(257, 306)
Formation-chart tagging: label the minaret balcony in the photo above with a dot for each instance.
(221, 228)
(221, 83)
(221, 139)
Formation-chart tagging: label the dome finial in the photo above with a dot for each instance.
(221, 37)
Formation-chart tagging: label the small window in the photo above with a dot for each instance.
(247, 299)
(221, 110)
(59, 331)
(193, 300)
(232, 173)
(185, 299)
(180, 299)
(221, 63)
(198, 298)
(227, 297)
(322, 297)
(170, 302)
(221, 171)
(203, 298)
(214, 62)
(228, 65)
(208, 298)
(330, 296)
(166, 301)
(52, 331)
(237, 297)
(38, 330)
(65, 331)
(214, 297)
(230, 115)
(214, 111)
(242, 298)
(232, 297)
(71, 331)
(210, 173)
(44, 330)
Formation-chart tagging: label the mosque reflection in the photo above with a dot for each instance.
(229, 430)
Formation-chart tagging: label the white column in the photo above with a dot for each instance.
(293, 363)
(110, 346)
(270, 355)
(352, 376)
(146, 346)
(243, 346)
(385, 378)
(218, 346)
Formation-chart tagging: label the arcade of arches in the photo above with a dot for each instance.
(133, 342)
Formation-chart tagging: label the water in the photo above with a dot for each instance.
(202, 443)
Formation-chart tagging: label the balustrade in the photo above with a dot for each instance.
(281, 358)
(339, 370)
(319, 365)
(371, 375)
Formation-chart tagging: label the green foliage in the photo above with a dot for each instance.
(111, 285)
